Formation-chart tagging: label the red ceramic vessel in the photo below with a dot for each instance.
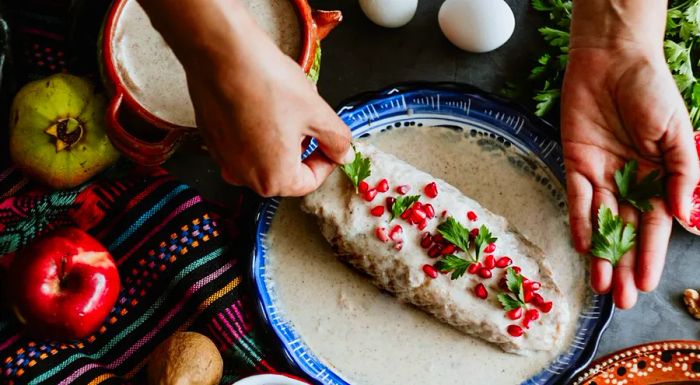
(315, 26)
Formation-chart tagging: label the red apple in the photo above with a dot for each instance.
(63, 285)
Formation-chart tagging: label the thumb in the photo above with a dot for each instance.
(333, 136)
(683, 167)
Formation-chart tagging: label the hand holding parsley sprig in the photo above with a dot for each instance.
(620, 102)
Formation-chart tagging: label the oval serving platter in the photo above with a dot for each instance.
(456, 106)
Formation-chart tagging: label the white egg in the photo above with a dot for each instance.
(389, 13)
(476, 25)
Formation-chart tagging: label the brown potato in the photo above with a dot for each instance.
(186, 358)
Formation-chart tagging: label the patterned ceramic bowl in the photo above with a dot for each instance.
(270, 379)
(456, 106)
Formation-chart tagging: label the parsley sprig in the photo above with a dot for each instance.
(402, 204)
(681, 47)
(455, 233)
(515, 297)
(358, 170)
(638, 193)
(614, 237)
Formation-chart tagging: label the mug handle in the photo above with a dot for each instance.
(140, 151)
(326, 21)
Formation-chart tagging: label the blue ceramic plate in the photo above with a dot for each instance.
(456, 106)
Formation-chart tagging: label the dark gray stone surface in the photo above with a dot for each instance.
(359, 56)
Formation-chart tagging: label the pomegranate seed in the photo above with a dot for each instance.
(430, 271)
(474, 232)
(435, 251)
(398, 246)
(490, 248)
(444, 214)
(489, 262)
(381, 234)
(503, 283)
(515, 314)
(429, 210)
(403, 189)
(396, 233)
(390, 202)
(534, 285)
(369, 195)
(363, 187)
(485, 273)
(406, 214)
(438, 238)
(546, 307)
(431, 190)
(480, 291)
(515, 330)
(449, 249)
(383, 186)
(503, 262)
(532, 315)
(526, 323)
(474, 268)
(426, 241)
(527, 295)
(417, 215)
(471, 216)
(377, 211)
(537, 300)
(423, 224)
(517, 269)
(417, 206)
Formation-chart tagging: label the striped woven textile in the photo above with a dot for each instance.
(177, 268)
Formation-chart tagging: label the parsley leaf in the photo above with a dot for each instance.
(614, 237)
(454, 232)
(402, 204)
(483, 239)
(509, 303)
(514, 299)
(358, 170)
(638, 193)
(453, 263)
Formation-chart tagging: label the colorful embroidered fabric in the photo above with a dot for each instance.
(178, 271)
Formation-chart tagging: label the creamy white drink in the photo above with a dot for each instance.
(155, 77)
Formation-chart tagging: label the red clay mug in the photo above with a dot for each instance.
(151, 139)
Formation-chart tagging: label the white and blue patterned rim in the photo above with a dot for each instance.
(456, 106)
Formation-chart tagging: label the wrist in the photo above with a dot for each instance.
(618, 24)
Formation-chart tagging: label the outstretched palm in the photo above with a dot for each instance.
(617, 105)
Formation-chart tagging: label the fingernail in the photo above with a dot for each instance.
(349, 156)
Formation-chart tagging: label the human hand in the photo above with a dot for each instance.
(620, 102)
(254, 106)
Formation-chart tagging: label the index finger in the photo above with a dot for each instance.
(682, 165)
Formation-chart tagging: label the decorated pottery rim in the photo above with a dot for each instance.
(456, 106)
(271, 379)
(315, 25)
(646, 350)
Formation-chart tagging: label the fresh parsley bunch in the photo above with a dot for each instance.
(681, 45)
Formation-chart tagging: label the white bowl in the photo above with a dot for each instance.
(269, 379)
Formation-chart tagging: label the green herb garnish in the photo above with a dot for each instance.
(402, 204)
(482, 240)
(638, 193)
(455, 233)
(515, 298)
(358, 170)
(458, 266)
(614, 237)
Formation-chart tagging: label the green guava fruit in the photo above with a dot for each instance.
(57, 131)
